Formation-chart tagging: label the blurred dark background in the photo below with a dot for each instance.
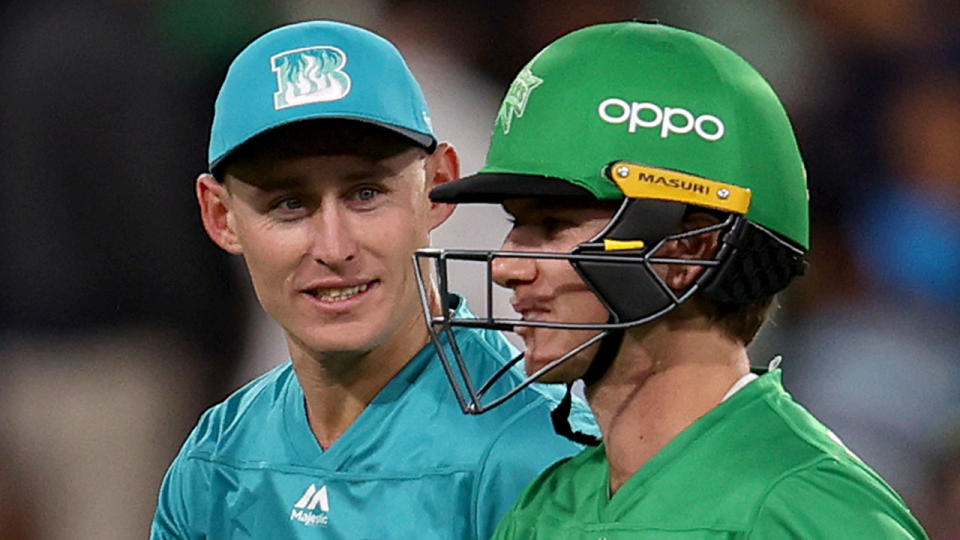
(120, 322)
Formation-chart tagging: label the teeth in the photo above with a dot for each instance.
(334, 295)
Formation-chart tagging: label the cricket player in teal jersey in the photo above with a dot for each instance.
(321, 157)
(659, 203)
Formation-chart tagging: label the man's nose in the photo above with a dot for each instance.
(333, 239)
(511, 272)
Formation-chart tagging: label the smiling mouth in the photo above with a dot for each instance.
(530, 315)
(339, 294)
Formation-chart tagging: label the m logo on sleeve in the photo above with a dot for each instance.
(309, 75)
(313, 506)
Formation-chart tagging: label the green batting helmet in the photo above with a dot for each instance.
(663, 120)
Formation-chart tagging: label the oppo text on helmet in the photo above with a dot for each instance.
(650, 115)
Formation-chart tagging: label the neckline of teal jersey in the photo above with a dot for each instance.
(297, 427)
(771, 381)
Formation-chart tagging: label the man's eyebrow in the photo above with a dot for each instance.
(376, 171)
(373, 172)
(275, 184)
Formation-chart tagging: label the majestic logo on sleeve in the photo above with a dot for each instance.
(309, 75)
(516, 101)
(313, 507)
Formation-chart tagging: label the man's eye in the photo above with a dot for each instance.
(366, 194)
(290, 204)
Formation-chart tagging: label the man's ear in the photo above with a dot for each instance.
(700, 247)
(443, 166)
(216, 213)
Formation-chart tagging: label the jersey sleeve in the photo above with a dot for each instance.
(826, 501)
(507, 529)
(516, 523)
(183, 501)
(524, 449)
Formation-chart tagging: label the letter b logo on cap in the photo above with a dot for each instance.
(309, 75)
(669, 119)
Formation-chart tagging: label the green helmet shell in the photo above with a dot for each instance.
(660, 97)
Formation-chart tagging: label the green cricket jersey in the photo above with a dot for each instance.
(757, 466)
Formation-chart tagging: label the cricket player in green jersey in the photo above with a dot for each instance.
(659, 202)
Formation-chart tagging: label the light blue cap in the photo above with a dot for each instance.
(317, 69)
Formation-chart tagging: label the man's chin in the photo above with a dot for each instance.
(558, 375)
(551, 379)
(335, 348)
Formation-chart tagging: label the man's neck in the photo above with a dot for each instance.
(664, 378)
(337, 387)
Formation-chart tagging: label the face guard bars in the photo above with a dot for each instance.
(473, 399)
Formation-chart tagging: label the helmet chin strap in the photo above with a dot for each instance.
(609, 347)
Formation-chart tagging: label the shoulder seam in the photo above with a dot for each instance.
(851, 458)
(823, 456)
(215, 419)
(208, 458)
(776, 483)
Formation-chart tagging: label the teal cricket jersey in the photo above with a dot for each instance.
(412, 466)
(758, 466)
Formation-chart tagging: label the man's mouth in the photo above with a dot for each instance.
(530, 311)
(339, 294)
(530, 315)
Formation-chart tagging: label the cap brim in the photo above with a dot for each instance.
(497, 187)
(428, 142)
(425, 140)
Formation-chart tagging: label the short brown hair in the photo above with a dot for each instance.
(741, 321)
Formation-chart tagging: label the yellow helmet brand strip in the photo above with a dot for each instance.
(619, 245)
(643, 182)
